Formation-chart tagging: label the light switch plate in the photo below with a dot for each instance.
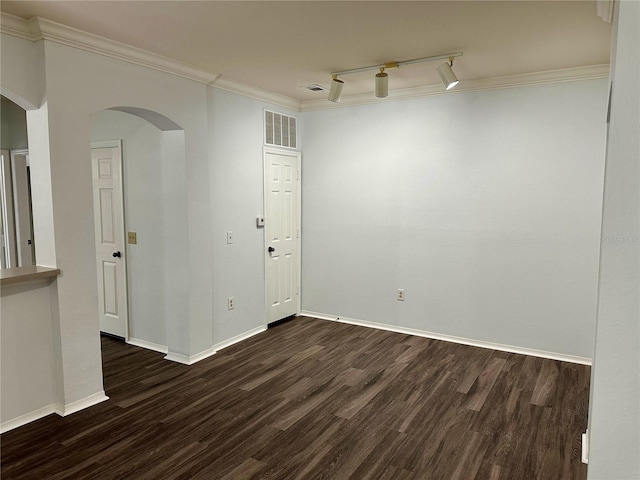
(132, 238)
(229, 238)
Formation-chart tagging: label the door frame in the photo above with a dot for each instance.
(20, 207)
(118, 144)
(9, 251)
(298, 155)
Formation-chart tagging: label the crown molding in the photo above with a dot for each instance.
(522, 80)
(15, 26)
(37, 28)
(605, 10)
(230, 85)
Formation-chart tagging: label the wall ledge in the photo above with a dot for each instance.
(15, 275)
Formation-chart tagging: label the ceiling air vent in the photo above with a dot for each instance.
(316, 88)
(280, 130)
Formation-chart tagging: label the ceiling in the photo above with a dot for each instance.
(283, 46)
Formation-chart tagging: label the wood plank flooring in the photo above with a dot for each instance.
(313, 399)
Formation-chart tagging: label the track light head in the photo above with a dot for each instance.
(336, 89)
(448, 78)
(382, 84)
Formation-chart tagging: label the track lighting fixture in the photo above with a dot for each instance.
(382, 79)
(382, 84)
(336, 89)
(448, 78)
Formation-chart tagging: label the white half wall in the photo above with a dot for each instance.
(28, 370)
(484, 207)
(614, 417)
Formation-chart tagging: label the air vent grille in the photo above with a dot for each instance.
(280, 130)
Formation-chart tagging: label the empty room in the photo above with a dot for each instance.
(304, 239)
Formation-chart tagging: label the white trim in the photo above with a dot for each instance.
(605, 12)
(27, 418)
(37, 28)
(230, 85)
(190, 360)
(107, 144)
(73, 407)
(15, 26)
(178, 358)
(238, 338)
(202, 355)
(136, 342)
(495, 83)
(585, 447)
(450, 338)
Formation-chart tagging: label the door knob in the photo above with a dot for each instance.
(117, 254)
(271, 249)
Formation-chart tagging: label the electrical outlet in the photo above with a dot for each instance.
(231, 303)
(401, 294)
(229, 238)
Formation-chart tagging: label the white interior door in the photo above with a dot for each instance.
(110, 247)
(282, 210)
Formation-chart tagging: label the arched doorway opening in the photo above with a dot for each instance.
(154, 222)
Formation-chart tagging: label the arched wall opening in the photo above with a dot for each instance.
(155, 209)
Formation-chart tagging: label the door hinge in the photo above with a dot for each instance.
(297, 233)
(297, 174)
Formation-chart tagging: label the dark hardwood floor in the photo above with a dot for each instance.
(314, 399)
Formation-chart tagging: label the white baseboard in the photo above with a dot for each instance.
(136, 342)
(190, 360)
(28, 418)
(62, 410)
(450, 338)
(73, 407)
(585, 447)
(239, 338)
(178, 358)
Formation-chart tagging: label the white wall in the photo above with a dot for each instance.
(483, 206)
(615, 396)
(23, 79)
(144, 214)
(26, 350)
(236, 140)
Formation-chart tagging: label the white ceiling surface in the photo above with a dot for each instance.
(282, 46)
